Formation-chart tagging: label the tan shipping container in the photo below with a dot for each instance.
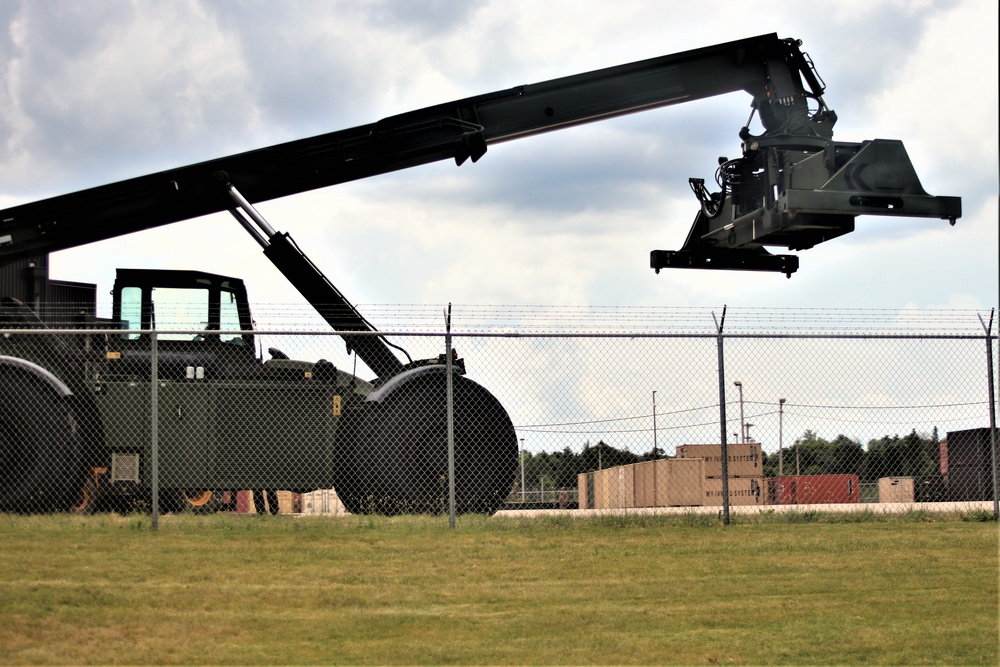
(680, 482)
(622, 486)
(742, 491)
(659, 483)
(601, 492)
(744, 459)
(895, 490)
(645, 477)
(584, 489)
(614, 488)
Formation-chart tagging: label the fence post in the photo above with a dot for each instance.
(154, 409)
(722, 419)
(451, 419)
(993, 413)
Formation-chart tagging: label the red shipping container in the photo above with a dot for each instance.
(813, 489)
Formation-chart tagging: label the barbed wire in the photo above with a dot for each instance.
(547, 427)
(472, 318)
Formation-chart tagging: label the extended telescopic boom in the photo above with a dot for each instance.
(794, 186)
(457, 130)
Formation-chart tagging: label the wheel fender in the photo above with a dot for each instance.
(41, 440)
(397, 381)
(45, 374)
(399, 449)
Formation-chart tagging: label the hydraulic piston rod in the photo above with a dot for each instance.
(317, 289)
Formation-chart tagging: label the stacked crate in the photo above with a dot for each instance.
(322, 501)
(745, 468)
(658, 483)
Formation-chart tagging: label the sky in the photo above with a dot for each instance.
(553, 226)
(95, 92)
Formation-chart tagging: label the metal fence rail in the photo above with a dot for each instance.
(288, 421)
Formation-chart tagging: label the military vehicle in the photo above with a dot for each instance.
(77, 419)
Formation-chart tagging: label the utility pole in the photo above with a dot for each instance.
(781, 437)
(743, 428)
(656, 450)
(521, 458)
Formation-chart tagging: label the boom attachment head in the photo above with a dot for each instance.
(780, 194)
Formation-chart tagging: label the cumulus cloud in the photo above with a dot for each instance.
(95, 92)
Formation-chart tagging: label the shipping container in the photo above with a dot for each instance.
(644, 475)
(895, 490)
(669, 482)
(744, 459)
(742, 491)
(967, 465)
(601, 490)
(614, 488)
(659, 483)
(813, 489)
(679, 482)
(585, 490)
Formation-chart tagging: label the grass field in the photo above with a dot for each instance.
(800, 589)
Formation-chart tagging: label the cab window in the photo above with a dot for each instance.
(131, 311)
(182, 309)
(229, 318)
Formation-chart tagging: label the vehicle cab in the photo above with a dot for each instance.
(204, 319)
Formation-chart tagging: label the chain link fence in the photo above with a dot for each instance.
(533, 408)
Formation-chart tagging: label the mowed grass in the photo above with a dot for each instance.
(617, 590)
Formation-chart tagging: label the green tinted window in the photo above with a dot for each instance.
(131, 311)
(180, 309)
(229, 317)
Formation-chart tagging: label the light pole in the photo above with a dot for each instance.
(798, 469)
(781, 437)
(656, 451)
(743, 431)
(520, 455)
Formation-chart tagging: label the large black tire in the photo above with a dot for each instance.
(41, 467)
(400, 450)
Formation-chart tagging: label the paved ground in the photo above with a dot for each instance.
(889, 508)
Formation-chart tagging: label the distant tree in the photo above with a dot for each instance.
(603, 455)
(560, 469)
(653, 454)
(909, 456)
(817, 456)
(564, 467)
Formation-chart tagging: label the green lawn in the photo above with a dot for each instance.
(806, 589)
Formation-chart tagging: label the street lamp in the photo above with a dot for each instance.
(520, 455)
(655, 449)
(743, 431)
(781, 437)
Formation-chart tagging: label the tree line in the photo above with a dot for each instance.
(911, 455)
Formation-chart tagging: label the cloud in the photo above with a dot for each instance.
(110, 91)
(92, 93)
